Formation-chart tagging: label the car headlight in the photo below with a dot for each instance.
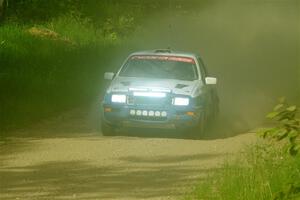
(180, 101)
(118, 98)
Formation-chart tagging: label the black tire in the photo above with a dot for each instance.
(200, 130)
(216, 111)
(212, 119)
(107, 129)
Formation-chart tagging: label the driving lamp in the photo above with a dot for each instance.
(179, 101)
(118, 98)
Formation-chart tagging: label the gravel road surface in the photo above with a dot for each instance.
(64, 158)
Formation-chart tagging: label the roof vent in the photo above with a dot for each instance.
(163, 51)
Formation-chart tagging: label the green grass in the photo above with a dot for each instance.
(259, 174)
(53, 60)
(41, 75)
(52, 57)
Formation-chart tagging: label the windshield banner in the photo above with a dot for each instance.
(166, 58)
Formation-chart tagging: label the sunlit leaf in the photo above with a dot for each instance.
(272, 115)
(292, 108)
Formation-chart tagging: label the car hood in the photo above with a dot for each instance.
(181, 87)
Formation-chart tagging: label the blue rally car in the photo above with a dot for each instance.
(160, 89)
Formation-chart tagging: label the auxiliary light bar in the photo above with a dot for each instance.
(149, 94)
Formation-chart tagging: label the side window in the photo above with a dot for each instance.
(202, 68)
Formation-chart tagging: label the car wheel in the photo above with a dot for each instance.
(216, 111)
(201, 127)
(199, 131)
(107, 129)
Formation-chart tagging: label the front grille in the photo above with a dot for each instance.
(154, 119)
(137, 100)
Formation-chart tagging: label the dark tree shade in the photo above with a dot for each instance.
(3, 4)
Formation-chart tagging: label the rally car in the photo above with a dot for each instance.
(161, 89)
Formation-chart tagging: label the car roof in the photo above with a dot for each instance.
(165, 52)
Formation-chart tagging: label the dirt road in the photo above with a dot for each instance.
(66, 159)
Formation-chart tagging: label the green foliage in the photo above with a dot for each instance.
(122, 26)
(53, 54)
(288, 126)
(79, 31)
(266, 171)
(48, 68)
(257, 174)
(36, 11)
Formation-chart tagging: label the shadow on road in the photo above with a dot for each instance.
(170, 159)
(72, 180)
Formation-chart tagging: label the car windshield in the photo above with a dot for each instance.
(162, 67)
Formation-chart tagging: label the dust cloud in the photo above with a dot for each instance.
(252, 47)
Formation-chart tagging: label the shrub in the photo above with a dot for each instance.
(268, 170)
(287, 128)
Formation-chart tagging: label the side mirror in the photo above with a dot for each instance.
(210, 81)
(108, 75)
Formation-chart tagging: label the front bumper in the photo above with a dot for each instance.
(176, 116)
